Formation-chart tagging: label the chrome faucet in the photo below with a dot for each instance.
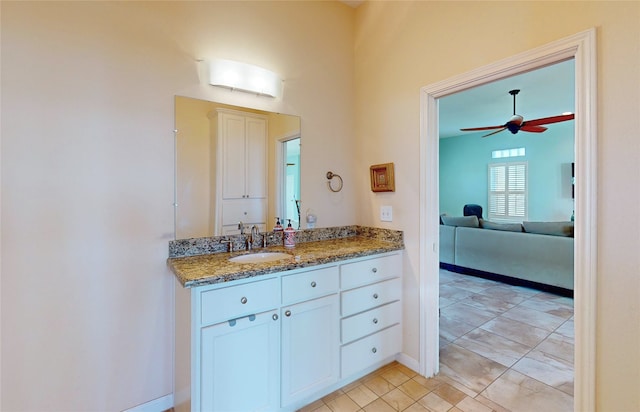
(250, 239)
(241, 227)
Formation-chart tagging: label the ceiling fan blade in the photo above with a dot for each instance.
(471, 129)
(533, 129)
(549, 120)
(497, 131)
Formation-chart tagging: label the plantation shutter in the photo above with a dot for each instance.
(508, 191)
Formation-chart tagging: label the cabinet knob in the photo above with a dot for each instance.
(313, 284)
(287, 313)
(375, 321)
(243, 300)
(374, 350)
(275, 316)
(375, 296)
(374, 270)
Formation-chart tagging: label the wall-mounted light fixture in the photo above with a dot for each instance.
(245, 77)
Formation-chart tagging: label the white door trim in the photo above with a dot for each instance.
(582, 48)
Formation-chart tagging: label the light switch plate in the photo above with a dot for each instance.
(386, 213)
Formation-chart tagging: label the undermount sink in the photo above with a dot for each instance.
(260, 257)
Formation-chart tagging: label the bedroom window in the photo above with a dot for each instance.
(508, 191)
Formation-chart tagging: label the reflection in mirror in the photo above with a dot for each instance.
(233, 165)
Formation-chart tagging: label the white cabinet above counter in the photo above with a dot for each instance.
(279, 340)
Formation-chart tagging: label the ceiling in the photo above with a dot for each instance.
(548, 91)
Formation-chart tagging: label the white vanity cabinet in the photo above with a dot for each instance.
(310, 333)
(371, 312)
(283, 340)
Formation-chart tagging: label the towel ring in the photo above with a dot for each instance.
(330, 176)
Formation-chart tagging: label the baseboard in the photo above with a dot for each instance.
(408, 361)
(557, 290)
(157, 405)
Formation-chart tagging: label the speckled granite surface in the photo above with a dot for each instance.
(313, 247)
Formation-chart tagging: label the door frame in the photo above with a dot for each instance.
(582, 48)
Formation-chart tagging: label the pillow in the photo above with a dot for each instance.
(465, 221)
(508, 227)
(549, 228)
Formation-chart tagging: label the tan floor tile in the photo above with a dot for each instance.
(495, 347)
(469, 368)
(343, 403)
(332, 395)
(362, 395)
(395, 376)
(379, 385)
(413, 389)
(446, 379)
(553, 371)
(449, 393)
(521, 393)
(435, 403)
(378, 406)
(491, 404)
(429, 383)
(471, 405)
(416, 407)
(407, 371)
(516, 331)
(398, 400)
(323, 408)
(312, 406)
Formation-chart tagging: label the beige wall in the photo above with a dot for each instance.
(402, 46)
(87, 175)
(87, 163)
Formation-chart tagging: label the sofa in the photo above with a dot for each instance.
(533, 254)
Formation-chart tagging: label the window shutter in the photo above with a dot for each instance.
(508, 191)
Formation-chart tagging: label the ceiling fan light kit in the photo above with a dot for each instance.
(517, 122)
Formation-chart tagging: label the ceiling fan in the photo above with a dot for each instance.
(517, 123)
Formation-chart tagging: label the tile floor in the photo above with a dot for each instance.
(502, 348)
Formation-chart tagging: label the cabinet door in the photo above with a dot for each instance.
(239, 366)
(234, 156)
(310, 347)
(256, 178)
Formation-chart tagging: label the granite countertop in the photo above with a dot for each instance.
(206, 269)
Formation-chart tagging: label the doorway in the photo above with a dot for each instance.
(581, 47)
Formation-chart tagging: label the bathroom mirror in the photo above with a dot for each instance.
(223, 178)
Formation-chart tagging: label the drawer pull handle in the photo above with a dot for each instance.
(374, 270)
(375, 321)
(287, 313)
(375, 296)
(374, 350)
(313, 284)
(243, 300)
(275, 316)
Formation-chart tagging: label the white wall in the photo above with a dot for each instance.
(403, 46)
(87, 175)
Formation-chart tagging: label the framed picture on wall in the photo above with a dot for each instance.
(382, 179)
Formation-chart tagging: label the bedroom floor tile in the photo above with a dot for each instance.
(503, 348)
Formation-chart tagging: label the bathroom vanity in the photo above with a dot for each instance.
(278, 335)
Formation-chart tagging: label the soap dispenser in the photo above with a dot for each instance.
(289, 236)
(278, 226)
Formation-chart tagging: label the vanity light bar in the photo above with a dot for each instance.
(244, 77)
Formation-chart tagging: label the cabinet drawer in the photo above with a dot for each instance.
(370, 270)
(309, 285)
(366, 352)
(245, 210)
(232, 302)
(370, 321)
(367, 297)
